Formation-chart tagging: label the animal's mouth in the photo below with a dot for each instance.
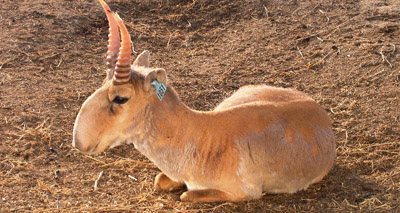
(96, 149)
(93, 150)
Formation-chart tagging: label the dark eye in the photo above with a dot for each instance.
(120, 100)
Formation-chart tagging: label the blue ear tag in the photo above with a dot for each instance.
(160, 88)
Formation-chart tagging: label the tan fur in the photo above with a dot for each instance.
(261, 139)
(164, 183)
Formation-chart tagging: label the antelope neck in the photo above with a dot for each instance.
(173, 118)
(165, 133)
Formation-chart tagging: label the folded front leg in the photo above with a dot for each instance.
(164, 183)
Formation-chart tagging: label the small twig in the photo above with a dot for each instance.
(26, 54)
(320, 61)
(40, 126)
(97, 181)
(301, 54)
(95, 159)
(295, 11)
(170, 37)
(59, 64)
(384, 57)
(394, 48)
(169, 40)
(266, 11)
(324, 15)
(6, 62)
(12, 168)
(131, 177)
(186, 40)
(337, 27)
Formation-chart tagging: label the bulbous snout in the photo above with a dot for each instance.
(78, 142)
(87, 128)
(90, 122)
(83, 147)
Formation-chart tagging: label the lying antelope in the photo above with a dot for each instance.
(261, 139)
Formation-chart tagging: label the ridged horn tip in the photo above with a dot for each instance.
(124, 58)
(113, 37)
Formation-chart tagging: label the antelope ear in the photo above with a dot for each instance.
(158, 74)
(143, 60)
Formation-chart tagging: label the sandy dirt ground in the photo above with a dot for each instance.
(345, 54)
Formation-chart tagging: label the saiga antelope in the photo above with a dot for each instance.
(261, 139)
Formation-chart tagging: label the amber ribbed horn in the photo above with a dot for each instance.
(113, 37)
(122, 71)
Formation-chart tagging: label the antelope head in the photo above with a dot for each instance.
(105, 117)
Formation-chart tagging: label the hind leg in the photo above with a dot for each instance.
(208, 195)
(164, 183)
